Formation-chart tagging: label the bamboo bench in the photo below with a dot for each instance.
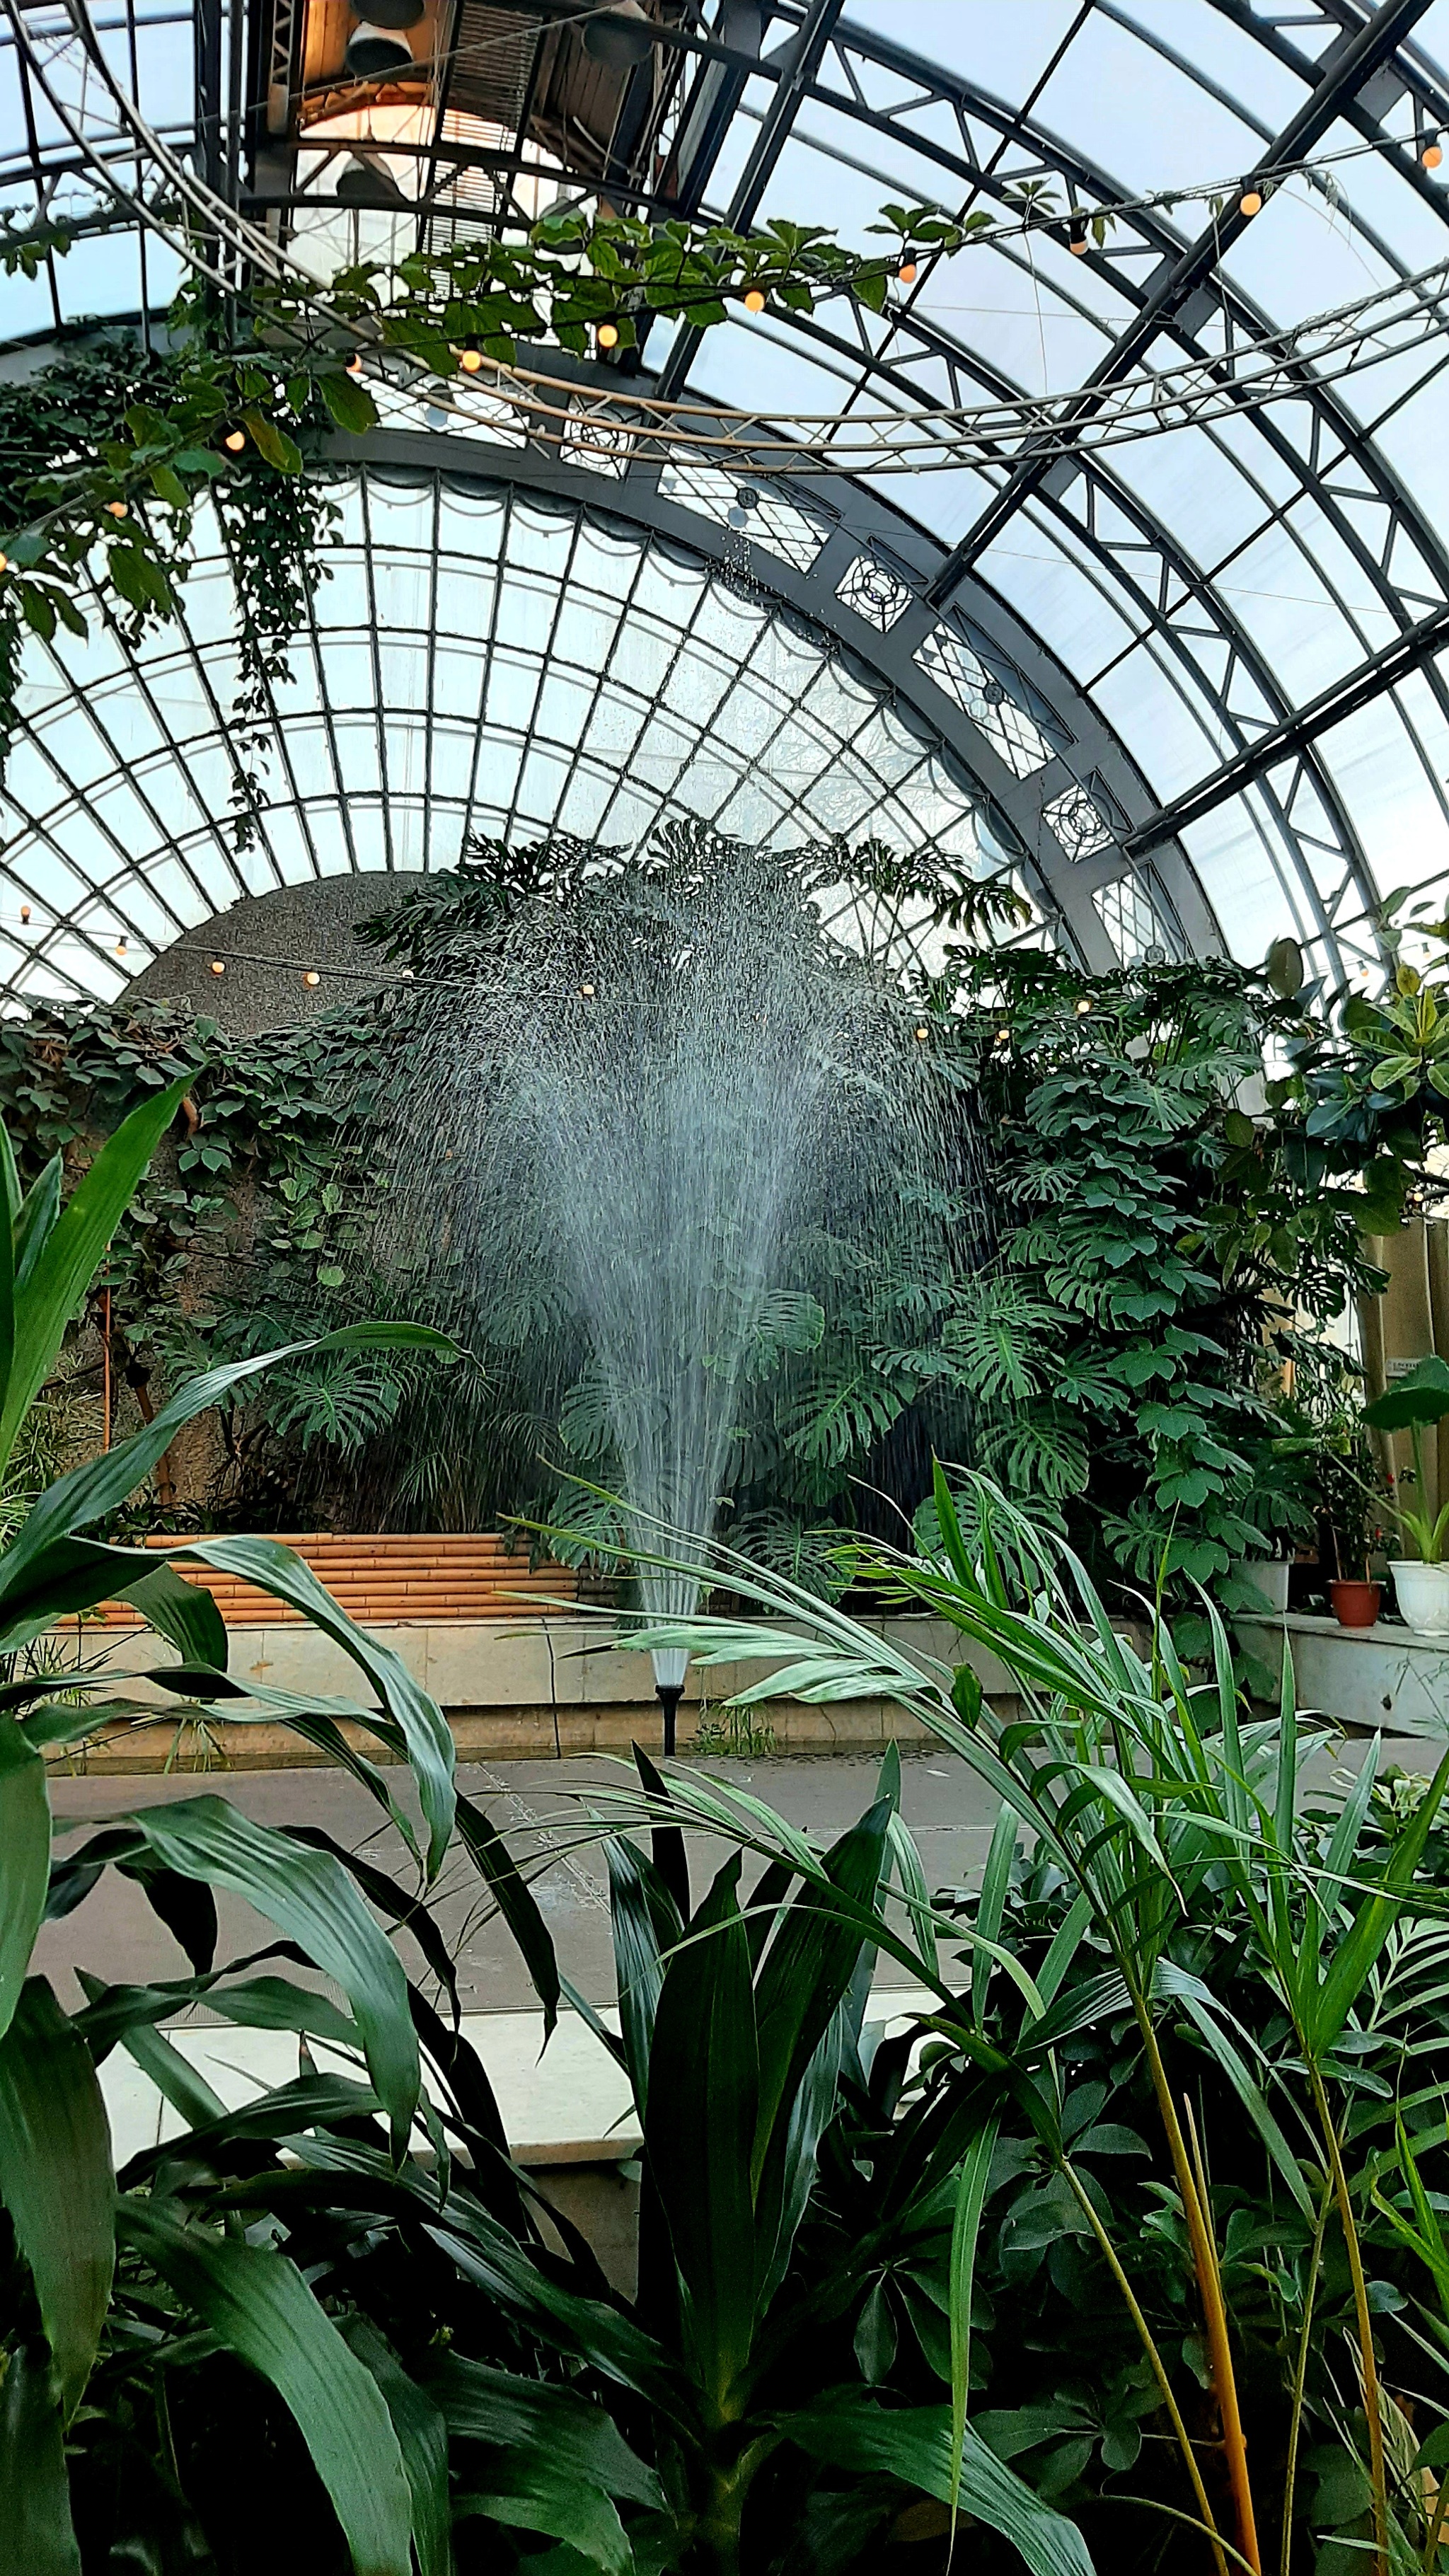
(386, 1577)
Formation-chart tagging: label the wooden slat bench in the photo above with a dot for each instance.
(380, 1578)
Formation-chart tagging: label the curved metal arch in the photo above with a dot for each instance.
(1063, 888)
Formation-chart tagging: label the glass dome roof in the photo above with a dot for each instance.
(1190, 686)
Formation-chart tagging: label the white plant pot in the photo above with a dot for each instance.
(1423, 1596)
(1268, 1575)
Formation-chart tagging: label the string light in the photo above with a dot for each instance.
(587, 991)
(311, 977)
(907, 272)
(470, 360)
(754, 301)
(217, 967)
(4, 563)
(1082, 1009)
(608, 336)
(236, 440)
(1431, 156)
(1250, 202)
(25, 912)
(354, 364)
(117, 509)
(921, 1036)
(1077, 235)
(120, 948)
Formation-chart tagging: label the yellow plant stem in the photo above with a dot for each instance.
(1367, 2361)
(1436, 2530)
(1210, 2291)
(1300, 2376)
(1159, 2368)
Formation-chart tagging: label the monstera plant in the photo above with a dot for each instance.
(57, 2187)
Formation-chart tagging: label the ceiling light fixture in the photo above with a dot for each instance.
(374, 51)
(619, 38)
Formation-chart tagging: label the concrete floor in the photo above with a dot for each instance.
(536, 1806)
(550, 1810)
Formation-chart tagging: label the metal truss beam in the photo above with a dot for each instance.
(1352, 63)
(791, 90)
(1333, 706)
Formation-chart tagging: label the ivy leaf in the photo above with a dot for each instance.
(349, 402)
(37, 610)
(273, 443)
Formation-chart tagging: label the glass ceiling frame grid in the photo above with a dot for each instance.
(841, 86)
(839, 81)
(105, 906)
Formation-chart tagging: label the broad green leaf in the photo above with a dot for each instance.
(184, 1613)
(56, 2181)
(429, 1738)
(35, 1219)
(965, 2230)
(481, 2404)
(37, 2536)
(311, 1898)
(349, 402)
(516, 1903)
(24, 1859)
(913, 2443)
(273, 443)
(645, 1923)
(73, 1250)
(530, 2494)
(257, 2303)
(422, 2438)
(699, 2133)
(991, 1906)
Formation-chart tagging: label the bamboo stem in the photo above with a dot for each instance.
(1367, 2359)
(1215, 2320)
(1159, 2367)
(1300, 2377)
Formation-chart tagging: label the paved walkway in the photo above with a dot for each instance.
(541, 1807)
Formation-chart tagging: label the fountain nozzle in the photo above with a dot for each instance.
(671, 1663)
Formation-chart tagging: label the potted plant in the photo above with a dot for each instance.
(1421, 1581)
(1350, 1514)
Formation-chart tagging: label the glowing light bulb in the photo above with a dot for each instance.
(1082, 1009)
(1250, 202)
(25, 912)
(1003, 1037)
(921, 1036)
(587, 991)
(354, 364)
(907, 272)
(754, 301)
(117, 509)
(470, 361)
(311, 977)
(4, 563)
(217, 967)
(1431, 156)
(608, 336)
(120, 948)
(235, 440)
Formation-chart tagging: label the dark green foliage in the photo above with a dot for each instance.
(1171, 1256)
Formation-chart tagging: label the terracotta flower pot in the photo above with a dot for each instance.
(1355, 1605)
